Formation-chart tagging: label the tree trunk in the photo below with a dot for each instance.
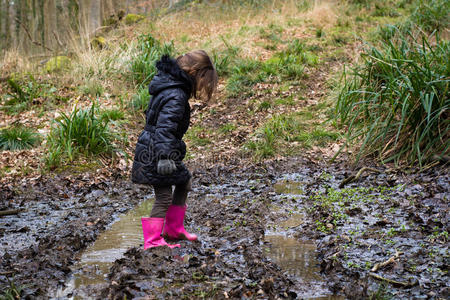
(95, 16)
(2, 23)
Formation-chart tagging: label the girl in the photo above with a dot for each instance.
(160, 148)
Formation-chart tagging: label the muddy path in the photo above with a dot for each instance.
(59, 217)
(284, 230)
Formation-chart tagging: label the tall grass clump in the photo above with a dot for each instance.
(149, 50)
(396, 103)
(18, 138)
(224, 60)
(432, 15)
(80, 132)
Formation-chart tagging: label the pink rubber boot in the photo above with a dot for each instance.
(174, 227)
(152, 228)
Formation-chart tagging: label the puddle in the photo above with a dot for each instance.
(110, 245)
(298, 258)
(294, 221)
(289, 187)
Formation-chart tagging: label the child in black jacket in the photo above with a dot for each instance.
(160, 149)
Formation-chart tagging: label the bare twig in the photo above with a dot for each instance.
(29, 36)
(57, 39)
(352, 178)
(10, 212)
(394, 282)
(387, 262)
(7, 273)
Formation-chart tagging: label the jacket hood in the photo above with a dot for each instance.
(170, 75)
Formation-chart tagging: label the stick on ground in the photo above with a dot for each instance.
(352, 178)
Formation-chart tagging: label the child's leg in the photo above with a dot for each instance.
(180, 193)
(174, 227)
(163, 198)
(152, 227)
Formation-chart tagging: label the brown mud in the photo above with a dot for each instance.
(284, 230)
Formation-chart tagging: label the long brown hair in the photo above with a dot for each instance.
(201, 69)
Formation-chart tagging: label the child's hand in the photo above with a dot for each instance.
(166, 167)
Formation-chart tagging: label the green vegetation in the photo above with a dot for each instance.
(244, 75)
(108, 115)
(223, 60)
(229, 127)
(285, 65)
(333, 205)
(80, 132)
(432, 15)
(133, 18)
(139, 101)
(18, 138)
(282, 130)
(396, 103)
(149, 50)
(196, 135)
(92, 88)
(23, 92)
(57, 64)
(13, 292)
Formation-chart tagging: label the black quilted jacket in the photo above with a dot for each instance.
(167, 120)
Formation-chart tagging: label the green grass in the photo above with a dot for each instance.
(432, 15)
(80, 132)
(245, 74)
(288, 101)
(108, 115)
(149, 50)
(18, 138)
(196, 135)
(280, 127)
(22, 93)
(272, 33)
(229, 127)
(224, 60)
(286, 65)
(282, 134)
(318, 136)
(139, 101)
(92, 88)
(12, 292)
(396, 103)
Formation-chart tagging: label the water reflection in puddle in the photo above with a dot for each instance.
(296, 257)
(294, 221)
(289, 187)
(110, 245)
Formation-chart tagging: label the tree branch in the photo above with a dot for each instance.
(30, 37)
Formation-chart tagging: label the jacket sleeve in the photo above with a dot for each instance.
(166, 144)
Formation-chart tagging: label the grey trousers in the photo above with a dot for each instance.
(164, 197)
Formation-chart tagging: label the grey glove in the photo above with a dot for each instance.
(166, 166)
